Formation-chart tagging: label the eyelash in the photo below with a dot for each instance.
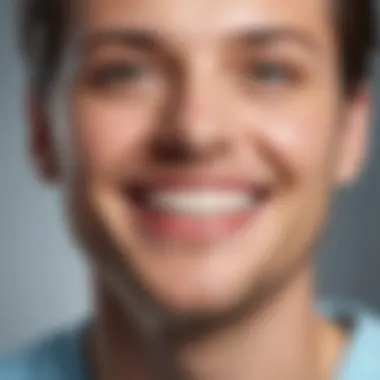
(263, 74)
(271, 73)
(118, 73)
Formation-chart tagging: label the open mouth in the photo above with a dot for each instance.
(194, 210)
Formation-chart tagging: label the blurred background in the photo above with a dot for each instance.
(42, 279)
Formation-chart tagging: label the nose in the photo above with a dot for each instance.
(193, 127)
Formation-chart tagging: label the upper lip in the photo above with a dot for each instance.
(143, 186)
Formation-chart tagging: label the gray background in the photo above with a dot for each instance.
(42, 280)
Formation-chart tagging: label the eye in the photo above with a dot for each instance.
(118, 74)
(271, 73)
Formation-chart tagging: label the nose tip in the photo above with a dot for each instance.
(183, 145)
(191, 132)
(192, 127)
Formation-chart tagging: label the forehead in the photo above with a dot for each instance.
(189, 20)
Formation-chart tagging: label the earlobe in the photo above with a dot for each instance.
(355, 143)
(40, 141)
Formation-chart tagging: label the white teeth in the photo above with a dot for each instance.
(201, 202)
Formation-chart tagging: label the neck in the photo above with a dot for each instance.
(282, 340)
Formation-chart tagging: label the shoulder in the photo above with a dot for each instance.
(361, 359)
(56, 357)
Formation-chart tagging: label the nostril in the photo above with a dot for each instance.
(172, 147)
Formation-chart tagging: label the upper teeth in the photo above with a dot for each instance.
(201, 202)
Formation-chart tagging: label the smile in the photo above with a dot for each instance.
(195, 210)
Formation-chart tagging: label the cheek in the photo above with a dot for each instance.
(300, 138)
(108, 136)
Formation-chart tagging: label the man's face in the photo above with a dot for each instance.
(207, 138)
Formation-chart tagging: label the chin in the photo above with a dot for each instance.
(192, 299)
(196, 285)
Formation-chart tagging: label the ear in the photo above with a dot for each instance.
(354, 147)
(40, 139)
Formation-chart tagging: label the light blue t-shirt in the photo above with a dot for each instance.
(62, 357)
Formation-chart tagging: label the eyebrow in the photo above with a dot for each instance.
(151, 40)
(264, 37)
(145, 40)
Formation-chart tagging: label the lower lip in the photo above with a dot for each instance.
(194, 229)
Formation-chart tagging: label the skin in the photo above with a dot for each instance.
(259, 109)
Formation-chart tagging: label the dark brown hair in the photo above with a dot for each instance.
(44, 29)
